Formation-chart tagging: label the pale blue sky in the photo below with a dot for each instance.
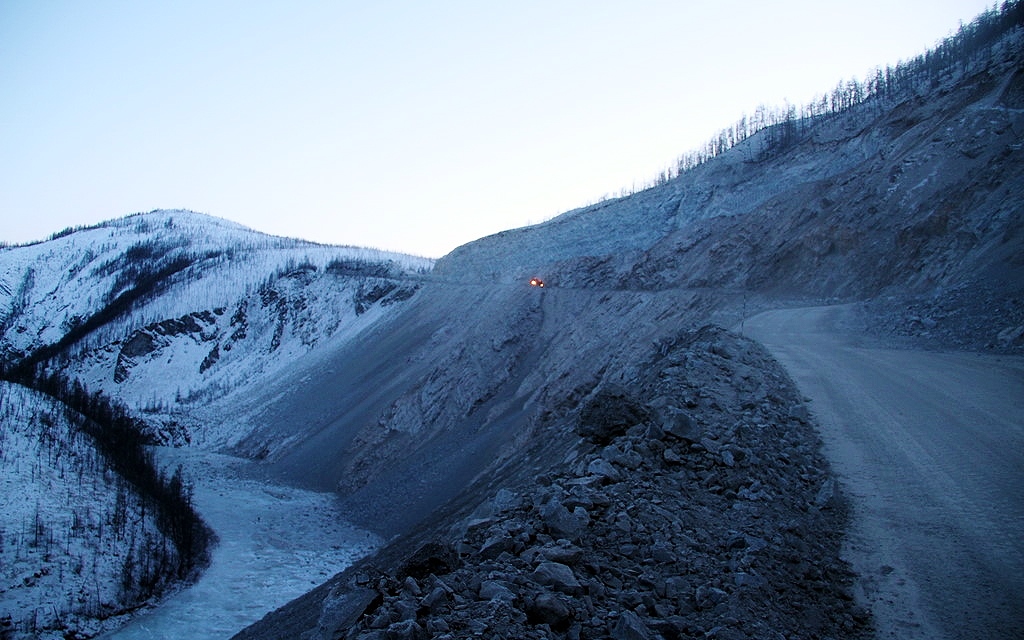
(411, 126)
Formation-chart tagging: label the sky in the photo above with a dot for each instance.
(400, 125)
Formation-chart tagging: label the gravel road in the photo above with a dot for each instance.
(930, 447)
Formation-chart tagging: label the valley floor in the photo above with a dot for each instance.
(930, 447)
(275, 543)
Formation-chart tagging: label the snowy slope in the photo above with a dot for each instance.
(75, 539)
(219, 261)
(170, 367)
(227, 307)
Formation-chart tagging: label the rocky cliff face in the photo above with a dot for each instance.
(931, 203)
(912, 197)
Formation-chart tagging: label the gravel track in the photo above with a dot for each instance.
(930, 446)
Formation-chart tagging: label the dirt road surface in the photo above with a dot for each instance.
(930, 448)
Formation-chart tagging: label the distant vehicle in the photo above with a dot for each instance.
(536, 282)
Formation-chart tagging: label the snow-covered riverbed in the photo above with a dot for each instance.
(276, 543)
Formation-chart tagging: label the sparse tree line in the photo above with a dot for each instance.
(357, 266)
(781, 128)
(90, 546)
(120, 440)
(142, 278)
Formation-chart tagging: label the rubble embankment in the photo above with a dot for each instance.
(695, 502)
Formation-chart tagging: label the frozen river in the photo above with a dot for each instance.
(276, 543)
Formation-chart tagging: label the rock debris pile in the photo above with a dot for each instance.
(695, 504)
(971, 316)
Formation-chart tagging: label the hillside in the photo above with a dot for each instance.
(79, 544)
(172, 309)
(886, 205)
(907, 204)
(911, 199)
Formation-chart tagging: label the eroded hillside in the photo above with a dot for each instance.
(908, 197)
(913, 198)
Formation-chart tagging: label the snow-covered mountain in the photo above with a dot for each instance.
(171, 308)
(160, 265)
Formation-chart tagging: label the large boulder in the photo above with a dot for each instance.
(630, 627)
(673, 420)
(557, 576)
(609, 413)
(564, 523)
